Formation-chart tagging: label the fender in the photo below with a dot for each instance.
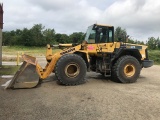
(127, 51)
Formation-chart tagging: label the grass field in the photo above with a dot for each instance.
(34, 51)
(155, 55)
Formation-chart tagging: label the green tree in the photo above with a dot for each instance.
(120, 34)
(6, 38)
(158, 43)
(9, 38)
(139, 42)
(37, 35)
(49, 36)
(26, 38)
(131, 41)
(77, 36)
(61, 38)
(18, 35)
(152, 43)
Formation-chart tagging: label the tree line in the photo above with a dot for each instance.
(38, 35)
(152, 42)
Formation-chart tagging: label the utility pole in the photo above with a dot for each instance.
(1, 27)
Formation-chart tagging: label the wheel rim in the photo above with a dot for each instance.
(129, 70)
(72, 70)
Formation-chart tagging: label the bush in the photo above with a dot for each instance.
(155, 55)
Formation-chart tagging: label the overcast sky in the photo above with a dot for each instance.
(141, 18)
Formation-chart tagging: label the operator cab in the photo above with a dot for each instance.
(100, 34)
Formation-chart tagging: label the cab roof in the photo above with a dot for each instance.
(103, 25)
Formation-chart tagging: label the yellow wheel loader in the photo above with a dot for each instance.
(98, 52)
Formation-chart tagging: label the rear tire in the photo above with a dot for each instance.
(126, 70)
(71, 70)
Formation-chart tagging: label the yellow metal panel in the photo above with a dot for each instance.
(104, 25)
(65, 45)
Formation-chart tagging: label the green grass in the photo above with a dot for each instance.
(8, 70)
(154, 55)
(33, 51)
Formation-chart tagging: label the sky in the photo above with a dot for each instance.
(140, 18)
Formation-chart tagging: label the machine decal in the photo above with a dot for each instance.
(67, 51)
(90, 47)
(134, 47)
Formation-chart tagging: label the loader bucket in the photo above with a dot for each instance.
(26, 76)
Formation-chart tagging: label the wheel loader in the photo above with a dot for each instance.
(120, 61)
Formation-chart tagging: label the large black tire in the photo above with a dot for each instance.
(126, 69)
(71, 70)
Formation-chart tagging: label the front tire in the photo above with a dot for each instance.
(126, 69)
(71, 70)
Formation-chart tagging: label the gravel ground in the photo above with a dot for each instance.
(97, 99)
